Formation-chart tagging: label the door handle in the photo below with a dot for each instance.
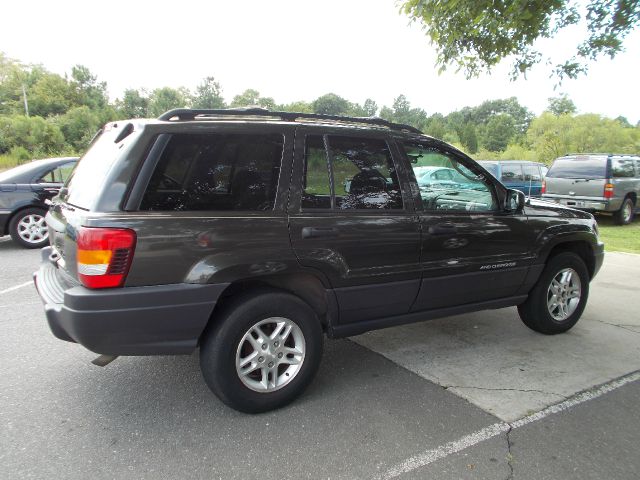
(319, 232)
(444, 229)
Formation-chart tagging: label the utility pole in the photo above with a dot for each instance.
(26, 104)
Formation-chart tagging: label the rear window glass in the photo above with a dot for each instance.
(91, 172)
(216, 172)
(585, 167)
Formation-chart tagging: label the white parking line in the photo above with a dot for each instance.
(430, 456)
(11, 289)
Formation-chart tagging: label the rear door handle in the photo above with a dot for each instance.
(319, 232)
(444, 229)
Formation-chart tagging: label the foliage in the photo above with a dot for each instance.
(562, 105)
(475, 35)
(208, 94)
(66, 111)
(331, 104)
(252, 98)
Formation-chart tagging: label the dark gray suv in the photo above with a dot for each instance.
(251, 234)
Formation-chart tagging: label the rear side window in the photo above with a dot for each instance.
(512, 173)
(579, 167)
(216, 172)
(59, 174)
(531, 173)
(364, 175)
(622, 168)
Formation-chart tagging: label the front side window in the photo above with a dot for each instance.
(447, 184)
(364, 176)
(216, 172)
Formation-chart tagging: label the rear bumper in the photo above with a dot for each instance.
(587, 204)
(153, 320)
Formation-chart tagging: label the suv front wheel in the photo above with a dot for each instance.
(557, 301)
(262, 351)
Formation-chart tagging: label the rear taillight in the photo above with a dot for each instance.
(608, 190)
(104, 256)
(544, 186)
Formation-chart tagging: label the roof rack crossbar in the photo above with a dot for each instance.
(191, 114)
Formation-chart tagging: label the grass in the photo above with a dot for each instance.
(8, 161)
(618, 238)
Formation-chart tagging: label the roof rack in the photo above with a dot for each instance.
(191, 114)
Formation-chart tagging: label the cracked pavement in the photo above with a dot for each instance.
(368, 410)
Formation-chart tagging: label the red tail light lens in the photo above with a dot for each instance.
(104, 256)
(544, 186)
(608, 190)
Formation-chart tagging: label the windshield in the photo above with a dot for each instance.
(91, 172)
(579, 167)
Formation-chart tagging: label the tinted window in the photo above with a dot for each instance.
(492, 168)
(579, 167)
(447, 184)
(91, 172)
(622, 168)
(364, 176)
(531, 173)
(511, 173)
(317, 189)
(216, 172)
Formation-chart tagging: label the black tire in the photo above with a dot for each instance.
(17, 227)
(624, 216)
(221, 341)
(535, 312)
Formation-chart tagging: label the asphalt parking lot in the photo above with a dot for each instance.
(475, 396)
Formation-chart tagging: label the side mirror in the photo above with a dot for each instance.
(514, 201)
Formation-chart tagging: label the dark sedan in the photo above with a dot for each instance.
(23, 191)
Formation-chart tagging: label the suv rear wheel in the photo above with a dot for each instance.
(557, 301)
(262, 351)
(624, 216)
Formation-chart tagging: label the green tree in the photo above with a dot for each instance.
(475, 35)
(469, 139)
(49, 95)
(208, 94)
(436, 126)
(79, 125)
(166, 98)
(134, 104)
(370, 107)
(561, 105)
(298, 107)
(35, 134)
(331, 104)
(499, 131)
(252, 98)
(88, 91)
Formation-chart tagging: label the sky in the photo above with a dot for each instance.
(291, 50)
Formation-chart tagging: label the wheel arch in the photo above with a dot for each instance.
(306, 286)
(582, 248)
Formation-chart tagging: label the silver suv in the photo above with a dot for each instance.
(596, 182)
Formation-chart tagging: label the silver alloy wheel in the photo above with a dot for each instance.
(32, 228)
(563, 295)
(627, 211)
(270, 354)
